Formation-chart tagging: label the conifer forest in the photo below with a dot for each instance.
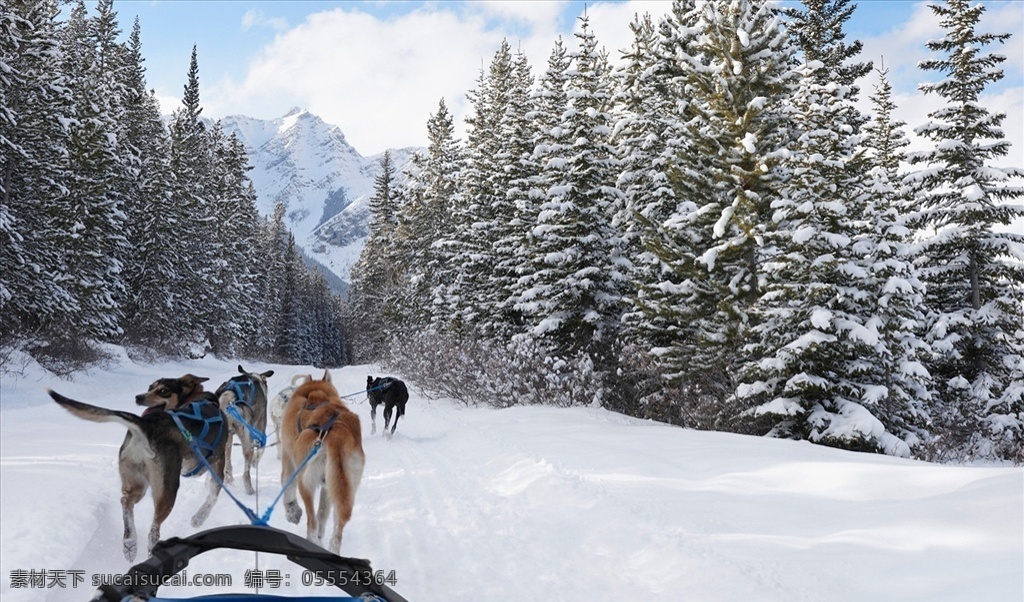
(706, 230)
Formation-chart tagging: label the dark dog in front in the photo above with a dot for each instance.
(391, 392)
(243, 399)
(156, 454)
(317, 426)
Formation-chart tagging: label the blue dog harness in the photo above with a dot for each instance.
(244, 389)
(206, 412)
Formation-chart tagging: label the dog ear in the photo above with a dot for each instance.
(192, 379)
(327, 376)
(369, 380)
(241, 369)
(267, 374)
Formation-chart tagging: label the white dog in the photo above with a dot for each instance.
(280, 400)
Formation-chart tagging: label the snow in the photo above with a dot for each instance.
(804, 234)
(821, 318)
(749, 143)
(744, 37)
(532, 503)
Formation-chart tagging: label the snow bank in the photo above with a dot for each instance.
(531, 503)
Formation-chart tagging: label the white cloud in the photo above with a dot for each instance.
(380, 78)
(377, 79)
(610, 21)
(539, 15)
(255, 18)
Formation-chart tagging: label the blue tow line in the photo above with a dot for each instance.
(377, 388)
(241, 397)
(250, 513)
(270, 508)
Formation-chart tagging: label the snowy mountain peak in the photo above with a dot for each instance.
(309, 166)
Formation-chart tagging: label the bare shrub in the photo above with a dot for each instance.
(477, 372)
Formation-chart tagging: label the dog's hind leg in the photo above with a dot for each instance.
(249, 452)
(163, 502)
(134, 483)
(387, 418)
(399, 412)
(292, 509)
(131, 493)
(323, 512)
(341, 484)
(307, 491)
(229, 475)
(217, 466)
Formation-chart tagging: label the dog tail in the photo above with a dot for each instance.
(300, 379)
(97, 414)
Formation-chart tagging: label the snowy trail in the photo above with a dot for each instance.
(537, 503)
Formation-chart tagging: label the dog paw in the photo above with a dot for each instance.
(293, 512)
(130, 550)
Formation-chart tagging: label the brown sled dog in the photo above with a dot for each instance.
(316, 416)
(155, 453)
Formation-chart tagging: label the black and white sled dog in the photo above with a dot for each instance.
(155, 452)
(243, 399)
(391, 392)
(279, 401)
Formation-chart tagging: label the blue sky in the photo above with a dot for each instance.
(378, 69)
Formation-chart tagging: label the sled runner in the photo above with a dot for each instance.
(353, 576)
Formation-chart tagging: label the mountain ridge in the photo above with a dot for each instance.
(323, 182)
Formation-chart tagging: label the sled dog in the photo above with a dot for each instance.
(243, 399)
(391, 392)
(155, 453)
(276, 406)
(316, 419)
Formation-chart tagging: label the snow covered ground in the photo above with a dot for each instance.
(533, 503)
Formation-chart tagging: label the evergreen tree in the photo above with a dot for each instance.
(151, 270)
(499, 139)
(289, 336)
(425, 226)
(576, 288)
(818, 31)
(513, 234)
(35, 105)
(529, 190)
(93, 216)
(374, 278)
(231, 325)
(384, 202)
(733, 62)
(272, 252)
(647, 137)
(884, 134)
(820, 367)
(895, 280)
(190, 161)
(971, 261)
